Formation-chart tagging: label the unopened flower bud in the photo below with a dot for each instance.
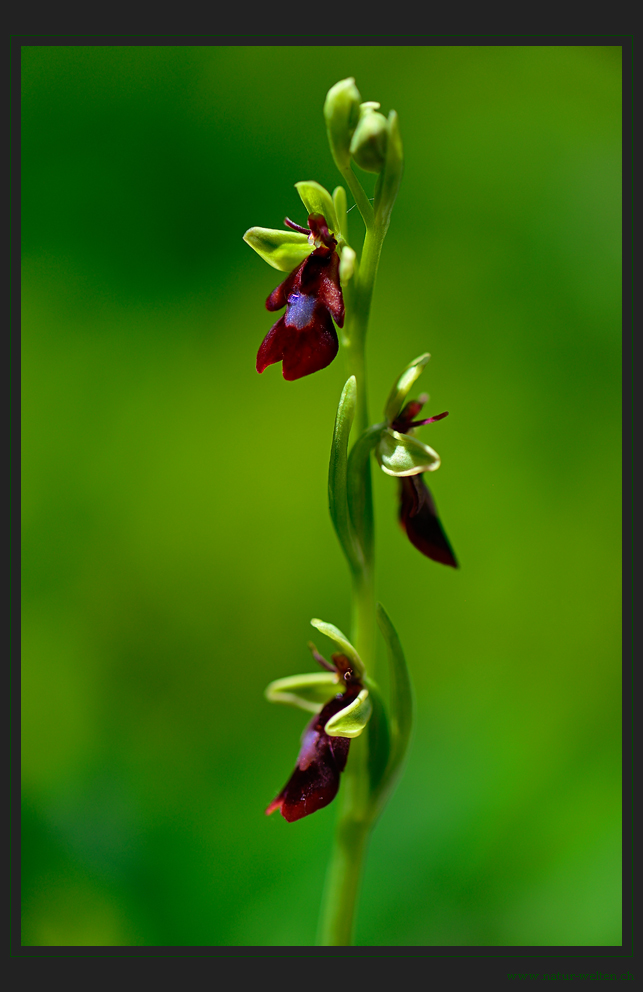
(368, 144)
(341, 111)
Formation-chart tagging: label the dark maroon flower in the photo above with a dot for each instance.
(304, 338)
(418, 513)
(322, 758)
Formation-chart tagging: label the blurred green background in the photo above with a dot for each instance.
(173, 556)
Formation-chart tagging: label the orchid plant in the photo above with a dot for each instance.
(328, 285)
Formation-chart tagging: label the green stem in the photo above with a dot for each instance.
(363, 203)
(356, 813)
(357, 322)
(343, 879)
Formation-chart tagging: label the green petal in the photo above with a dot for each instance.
(342, 641)
(340, 204)
(307, 692)
(400, 390)
(350, 721)
(318, 200)
(284, 250)
(346, 264)
(401, 454)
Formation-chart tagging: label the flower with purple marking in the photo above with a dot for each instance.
(326, 740)
(304, 338)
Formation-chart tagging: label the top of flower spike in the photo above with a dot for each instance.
(356, 130)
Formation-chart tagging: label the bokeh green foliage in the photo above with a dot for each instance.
(173, 557)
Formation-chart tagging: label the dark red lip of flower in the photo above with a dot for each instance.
(419, 518)
(418, 513)
(315, 780)
(304, 338)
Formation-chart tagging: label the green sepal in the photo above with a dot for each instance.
(337, 497)
(400, 709)
(318, 200)
(342, 641)
(341, 112)
(402, 454)
(389, 180)
(306, 692)
(400, 390)
(284, 250)
(351, 721)
(340, 204)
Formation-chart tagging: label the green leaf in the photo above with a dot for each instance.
(400, 390)
(340, 204)
(402, 454)
(350, 721)
(342, 641)
(391, 175)
(400, 710)
(337, 498)
(318, 200)
(284, 250)
(307, 692)
(379, 738)
(358, 482)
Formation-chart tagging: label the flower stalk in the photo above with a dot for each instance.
(357, 811)
(354, 736)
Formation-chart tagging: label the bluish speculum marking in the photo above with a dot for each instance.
(300, 310)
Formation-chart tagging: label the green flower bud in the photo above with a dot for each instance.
(390, 177)
(370, 139)
(341, 111)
